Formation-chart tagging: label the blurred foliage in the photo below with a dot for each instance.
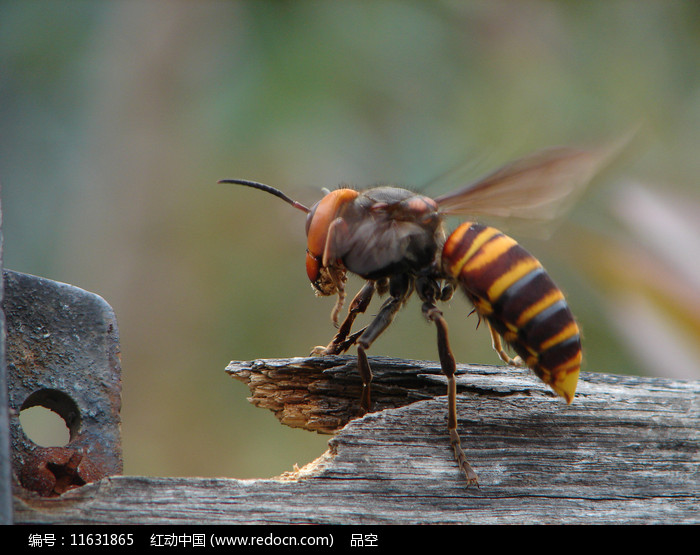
(117, 119)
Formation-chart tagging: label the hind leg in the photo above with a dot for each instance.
(447, 362)
(429, 291)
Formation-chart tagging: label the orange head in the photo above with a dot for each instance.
(320, 224)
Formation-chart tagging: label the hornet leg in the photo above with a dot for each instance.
(498, 347)
(447, 361)
(428, 292)
(400, 288)
(342, 340)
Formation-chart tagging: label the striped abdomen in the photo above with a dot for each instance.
(509, 287)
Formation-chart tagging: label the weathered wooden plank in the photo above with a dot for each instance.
(626, 451)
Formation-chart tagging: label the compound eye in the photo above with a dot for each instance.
(313, 268)
(310, 216)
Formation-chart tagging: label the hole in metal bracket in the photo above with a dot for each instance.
(50, 418)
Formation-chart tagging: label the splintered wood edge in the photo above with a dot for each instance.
(322, 394)
(309, 470)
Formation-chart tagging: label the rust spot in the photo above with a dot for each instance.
(52, 471)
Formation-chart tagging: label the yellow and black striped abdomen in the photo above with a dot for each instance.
(509, 287)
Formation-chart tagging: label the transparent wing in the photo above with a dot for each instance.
(540, 186)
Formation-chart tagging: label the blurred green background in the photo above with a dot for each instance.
(118, 118)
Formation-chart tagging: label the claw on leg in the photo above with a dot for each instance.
(337, 347)
(461, 458)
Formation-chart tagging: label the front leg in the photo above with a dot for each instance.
(342, 340)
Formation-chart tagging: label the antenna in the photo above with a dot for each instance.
(267, 189)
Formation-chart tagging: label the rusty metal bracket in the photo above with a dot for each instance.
(6, 516)
(62, 349)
